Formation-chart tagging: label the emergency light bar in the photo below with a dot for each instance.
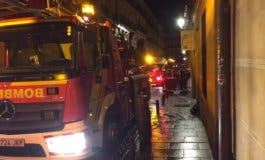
(87, 12)
(88, 9)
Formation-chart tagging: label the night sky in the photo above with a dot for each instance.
(167, 11)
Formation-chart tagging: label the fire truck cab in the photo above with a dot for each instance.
(63, 92)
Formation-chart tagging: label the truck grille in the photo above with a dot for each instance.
(29, 150)
(32, 118)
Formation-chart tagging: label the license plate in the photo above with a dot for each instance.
(12, 142)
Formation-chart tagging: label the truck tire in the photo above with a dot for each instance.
(112, 130)
(143, 119)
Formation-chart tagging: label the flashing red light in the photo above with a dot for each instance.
(107, 23)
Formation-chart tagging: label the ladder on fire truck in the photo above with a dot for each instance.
(41, 8)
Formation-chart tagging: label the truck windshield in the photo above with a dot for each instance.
(46, 46)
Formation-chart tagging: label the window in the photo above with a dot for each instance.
(105, 41)
(48, 46)
(3, 55)
(90, 51)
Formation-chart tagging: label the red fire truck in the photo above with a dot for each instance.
(63, 92)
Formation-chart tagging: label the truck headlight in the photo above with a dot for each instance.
(71, 144)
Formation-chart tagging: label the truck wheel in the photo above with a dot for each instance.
(112, 129)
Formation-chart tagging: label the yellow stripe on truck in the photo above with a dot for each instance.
(38, 83)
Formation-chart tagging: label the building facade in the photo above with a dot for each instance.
(136, 17)
(172, 44)
(229, 76)
(205, 69)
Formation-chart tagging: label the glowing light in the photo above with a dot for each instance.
(73, 144)
(159, 78)
(60, 76)
(183, 52)
(69, 30)
(88, 9)
(150, 80)
(122, 28)
(171, 60)
(107, 23)
(85, 18)
(181, 22)
(149, 59)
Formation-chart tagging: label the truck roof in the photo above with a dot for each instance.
(10, 9)
(32, 20)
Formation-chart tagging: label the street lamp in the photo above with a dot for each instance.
(181, 22)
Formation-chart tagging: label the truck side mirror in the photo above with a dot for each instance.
(104, 41)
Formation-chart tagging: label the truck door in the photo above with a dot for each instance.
(93, 75)
(103, 86)
(122, 83)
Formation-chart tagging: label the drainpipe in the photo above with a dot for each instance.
(223, 25)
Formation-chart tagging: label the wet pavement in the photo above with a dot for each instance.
(176, 134)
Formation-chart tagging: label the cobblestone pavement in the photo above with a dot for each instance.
(176, 133)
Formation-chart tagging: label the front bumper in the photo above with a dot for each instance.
(36, 146)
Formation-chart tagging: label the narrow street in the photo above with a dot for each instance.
(176, 134)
